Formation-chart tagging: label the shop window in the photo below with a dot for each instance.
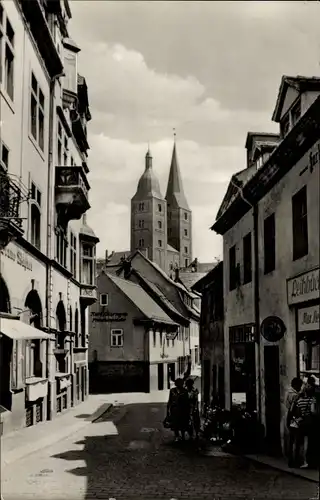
(269, 244)
(73, 255)
(37, 112)
(88, 264)
(247, 259)
(116, 338)
(300, 224)
(61, 245)
(7, 41)
(104, 299)
(234, 269)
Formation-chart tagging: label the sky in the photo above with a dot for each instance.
(211, 70)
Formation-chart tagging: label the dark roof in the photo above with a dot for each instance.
(114, 259)
(263, 136)
(237, 181)
(87, 232)
(175, 194)
(189, 279)
(148, 185)
(289, 151)
(215, 274)
(146, 305)
(171, 249)
(300, 83)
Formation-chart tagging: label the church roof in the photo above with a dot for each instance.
(148, 185)
(175, 193)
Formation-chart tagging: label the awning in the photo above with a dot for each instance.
(17, 330)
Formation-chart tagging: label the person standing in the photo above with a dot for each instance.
(178, 409)
(194, 415)
(293, 444)
(306, 406)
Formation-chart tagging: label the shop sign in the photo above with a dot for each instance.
(303, 287)
(309, 318)
(109, 317)
(272, 328)
(19, 257)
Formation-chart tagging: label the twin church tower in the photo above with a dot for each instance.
(161, 227)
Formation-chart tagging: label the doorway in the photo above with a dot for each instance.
(171, 372)
(160, 377)
(272, 398)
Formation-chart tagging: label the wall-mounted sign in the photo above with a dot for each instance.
(303, 287)
(108, 317)
(19, 257)
(272, 328)
(309, 318)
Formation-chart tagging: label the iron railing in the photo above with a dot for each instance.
(12, 194)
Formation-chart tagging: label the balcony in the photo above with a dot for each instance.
(71, 193)
(12, 194)
(88, 294)
(36, 12)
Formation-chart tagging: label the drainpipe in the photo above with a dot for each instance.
(257, 298)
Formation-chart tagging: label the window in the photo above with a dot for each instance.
(185, 216)
(186, 262)
(160, 243)
(141, 223)
(185, 249)
(116, 338)
(33, 359)
(296, 112)
(269, 244)
(159, 224)
(154, 338)
(247, 259)
(141, 243)
(160, 207)
(6, 54)
(104, 299)
(73, 255)
(62, 145)
(233, 274)
(61, 245)
(37, 112)
(186, 232)
(35, 216)
(300, 224)
(88, 260)
(285, 125)
(141, 207)
(4, 156)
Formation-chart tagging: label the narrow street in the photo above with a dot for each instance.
(128, 455)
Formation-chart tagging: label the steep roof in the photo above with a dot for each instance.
(189, 279)
(211, 277)
(146, 305)
(299, 83)
(115, 258)
(148, 185)
(171, 249)
(175, 193)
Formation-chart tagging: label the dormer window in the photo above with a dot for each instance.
(295, 112)
(291, 118)
(70, 65)
(285, 125)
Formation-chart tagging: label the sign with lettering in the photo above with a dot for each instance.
(272, 328)
(19, 257)
(303, 287)
(309, 318)
(108, 316)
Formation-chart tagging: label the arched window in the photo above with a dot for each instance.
(4, 297)
(33, 302)
(70, 319)
(61, 316)
(33, 351)
(35, 216)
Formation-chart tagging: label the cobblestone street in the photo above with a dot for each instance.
(128, 455)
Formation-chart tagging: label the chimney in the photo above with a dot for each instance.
(126, 268)
(106, 257)
(176, 271)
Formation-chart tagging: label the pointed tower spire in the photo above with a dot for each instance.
(175, 193)
(148, 158)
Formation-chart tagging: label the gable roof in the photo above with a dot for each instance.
(171, 249)
(299, 83)
(236, 183)
(210, 278)
(175, 193)
(260, 136)
(115, 258)
(189, 279)
(137, 295)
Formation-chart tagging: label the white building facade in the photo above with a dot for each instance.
(47, 249)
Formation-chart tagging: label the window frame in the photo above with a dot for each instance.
(63, 145)
(141, 243)
(73, 250)
(300, 225)
(7, 44)
(113, 334)
(61, 246)
(35, 204)
(232, 266)
(4, 164)
(160, 243)
(39, 137)
(90, 259)
(269, 243)
(247, 258)
(107, 299)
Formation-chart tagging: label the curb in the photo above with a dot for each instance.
(24, 451)
(287, 470)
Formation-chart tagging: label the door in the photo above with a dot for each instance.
(272, 398)
(171, 371)
(160, 377)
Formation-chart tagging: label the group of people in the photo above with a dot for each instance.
(183, 415)
(301, 420)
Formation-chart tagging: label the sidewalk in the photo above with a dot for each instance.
(20, 443)
(281, 464)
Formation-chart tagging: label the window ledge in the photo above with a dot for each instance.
(37, 147)
(35, 380)
(62, 375)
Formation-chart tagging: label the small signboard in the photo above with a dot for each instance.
(273, 328)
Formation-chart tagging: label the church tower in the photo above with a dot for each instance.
(179, 214)
(149, 217)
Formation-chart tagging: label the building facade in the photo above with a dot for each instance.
(270, 229)
(47, 249)
(161, 227)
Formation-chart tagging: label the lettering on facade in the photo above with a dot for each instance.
(314, 157)
(304, 287)
(19, 257)
(109, 317)
(309, 318)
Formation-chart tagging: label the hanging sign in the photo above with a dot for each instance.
(272, 328)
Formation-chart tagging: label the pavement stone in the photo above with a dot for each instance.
(97, 462)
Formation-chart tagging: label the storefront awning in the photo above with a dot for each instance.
(17, 330)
